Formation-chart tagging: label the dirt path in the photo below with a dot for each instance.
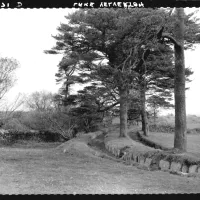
(49, 171)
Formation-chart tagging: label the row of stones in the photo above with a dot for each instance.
(147, 162)
(113, 150)
(177, 166)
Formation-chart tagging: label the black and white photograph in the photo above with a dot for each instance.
(99, 100)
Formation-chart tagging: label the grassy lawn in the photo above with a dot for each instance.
(47, 170)
(167, 140)
(192, 121)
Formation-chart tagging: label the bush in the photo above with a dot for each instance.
(170, 129)
(15, 124)
(34, 121)
(193, 131)
(12, 136)
(5, 137)
(161, 128)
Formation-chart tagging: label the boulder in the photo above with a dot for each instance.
(164, 165)
(192, 168)
(147, 162)
(175, 166)
(185, 169)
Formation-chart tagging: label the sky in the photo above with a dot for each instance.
(26, 33)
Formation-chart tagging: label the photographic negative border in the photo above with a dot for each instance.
(21, 4)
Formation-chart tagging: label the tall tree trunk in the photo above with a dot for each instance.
(179, 91)
(154, 115)
(123, 112)
(145, 127)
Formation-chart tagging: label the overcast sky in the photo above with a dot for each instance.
(26, 33)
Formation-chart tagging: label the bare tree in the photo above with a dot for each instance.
(9, 108)
(47, 113)
(64, 128)
(8, 67)
(40, 101)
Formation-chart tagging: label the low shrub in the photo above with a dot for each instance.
(193, 131)
(197, 130)
(161, 128)
(168, 128)
(15, 124)
(9, 137)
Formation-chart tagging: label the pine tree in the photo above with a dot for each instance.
(109, 46)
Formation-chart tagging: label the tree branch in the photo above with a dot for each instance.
(144, 57)
(173, 40)
(109, 107)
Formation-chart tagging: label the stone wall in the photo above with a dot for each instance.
(153, 159)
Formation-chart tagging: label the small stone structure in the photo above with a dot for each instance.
(164, 165)
(135, 153)
(152, 160)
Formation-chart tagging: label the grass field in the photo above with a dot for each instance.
(42, 169)
(193, 121)
(167, 140)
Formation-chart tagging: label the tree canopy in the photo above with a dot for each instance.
(120, 49)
